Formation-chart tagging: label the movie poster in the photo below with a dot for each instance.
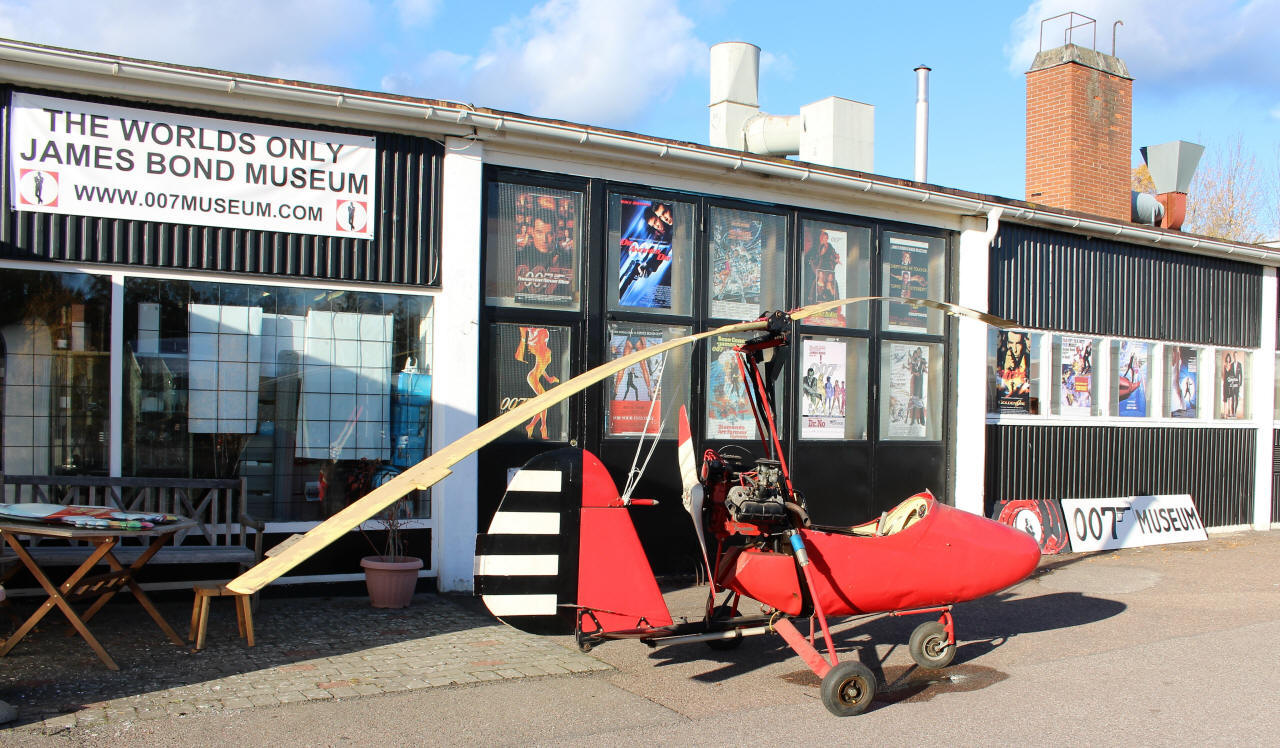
(531, 360)
(546, 252)
(1184, 381)
(822, 389)
(645, 253)
(737, 242)
(826, 254)
(908, 391)
(1231, 383)
(907, 271)
(635, 403)
(729, 413)
(1013, 371)
(1075, 385)
(1131, 379)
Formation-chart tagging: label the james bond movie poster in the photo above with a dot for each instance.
(1131, 379)
(645, 253)
(729, 413)
(531, 360)
(546, 252)
(1013, 371)
(1184, 381)
(907, 271)
(825, 269)
(822, 390)
(908, 391)
(1075, 395)
(736, 245)
(635, 404)
(1231, 384)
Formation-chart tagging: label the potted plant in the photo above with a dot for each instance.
(390, 576)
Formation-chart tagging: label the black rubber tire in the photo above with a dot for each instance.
(848, 689)
(722, 612)
(929, 647)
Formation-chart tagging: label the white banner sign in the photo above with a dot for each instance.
(89, 159)
(1105, 524)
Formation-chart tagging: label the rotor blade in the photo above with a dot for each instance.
(436, 466)
(954, 310)
(686, 454)
(693, 492)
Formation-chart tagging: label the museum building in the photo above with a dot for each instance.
(220, 275)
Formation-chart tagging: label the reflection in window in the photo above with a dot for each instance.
(314, 396)
(57, 373)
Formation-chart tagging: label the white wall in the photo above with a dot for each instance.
(455, 360)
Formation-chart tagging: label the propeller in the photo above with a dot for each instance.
(692, 495)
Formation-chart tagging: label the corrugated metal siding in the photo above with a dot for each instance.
(404, 251)
(1275, 477)
(1215, 466)
(1057, 281)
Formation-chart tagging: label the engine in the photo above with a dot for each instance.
(745, 501)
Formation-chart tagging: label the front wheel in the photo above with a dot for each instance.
(929, 646)
(848, 689)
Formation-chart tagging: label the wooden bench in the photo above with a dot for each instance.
(219, 506)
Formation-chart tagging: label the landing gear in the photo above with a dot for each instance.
(930, 646)
(725, 612)
(848, 689)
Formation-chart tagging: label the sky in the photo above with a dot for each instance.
(1206, 71)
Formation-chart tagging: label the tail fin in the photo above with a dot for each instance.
(561, 540)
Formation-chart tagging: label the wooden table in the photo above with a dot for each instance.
(80, 586)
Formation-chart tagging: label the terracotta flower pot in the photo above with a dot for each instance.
(391, 581)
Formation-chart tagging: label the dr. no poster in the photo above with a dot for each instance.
(822, 390)
(908, 398)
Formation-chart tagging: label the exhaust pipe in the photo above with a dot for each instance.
(922, 123)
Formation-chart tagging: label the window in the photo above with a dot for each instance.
(911, 405)
(1182, 381)
(314, 395)
(912, 267)
(833, 388)
(835, 265)
(1233, 384)
(56, 404)
(651, 245)
(1075, 380)
(533, 247)
(528, 360)
(747, 255)
(1131, 378)
(646, 395)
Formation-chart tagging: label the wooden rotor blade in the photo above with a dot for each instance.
(436, 466)
(954, 310)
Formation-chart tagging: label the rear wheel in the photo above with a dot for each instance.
(929, 646)
(848, 689)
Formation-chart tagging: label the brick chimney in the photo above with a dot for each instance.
(1080, 131)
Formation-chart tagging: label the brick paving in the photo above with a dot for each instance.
(306, 649)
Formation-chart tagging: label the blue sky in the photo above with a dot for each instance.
(1207, 71)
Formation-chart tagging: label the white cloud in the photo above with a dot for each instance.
(586, 60)
(283, 38)
(1167, 44)
(779, 66)
(416, 12)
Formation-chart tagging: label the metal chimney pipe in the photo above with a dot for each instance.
(922, 123)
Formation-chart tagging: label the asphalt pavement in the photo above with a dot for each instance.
(1158, 646)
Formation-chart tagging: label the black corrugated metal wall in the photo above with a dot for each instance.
(1215, 466)
(404, 250)
(1052, 280)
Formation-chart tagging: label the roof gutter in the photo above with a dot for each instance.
(454, 119)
